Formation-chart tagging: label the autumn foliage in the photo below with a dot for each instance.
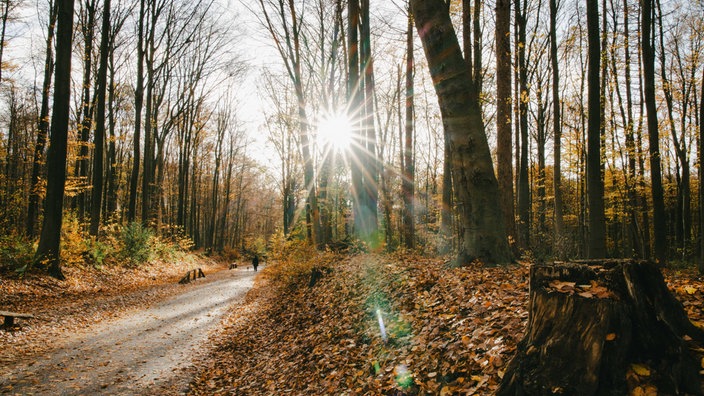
(448, 330)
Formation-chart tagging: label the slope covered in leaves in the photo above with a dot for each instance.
(371, 325)
(380, 325)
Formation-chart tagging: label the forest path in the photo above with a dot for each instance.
(142, 350)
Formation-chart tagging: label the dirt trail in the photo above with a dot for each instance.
(142, 350)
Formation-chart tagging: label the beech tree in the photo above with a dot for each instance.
(43, 122)
(504, 152)
(49, 252)
(408, 180)
(648, 59)
(285, 31)
(99, 141)
(475, 184)
(596, 247)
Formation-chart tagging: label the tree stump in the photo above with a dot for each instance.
(603, 328)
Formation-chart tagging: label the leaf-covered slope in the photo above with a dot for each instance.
(444, 330)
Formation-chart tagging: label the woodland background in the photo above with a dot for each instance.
(169, 155)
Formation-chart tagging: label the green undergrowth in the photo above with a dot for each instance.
(130, 245)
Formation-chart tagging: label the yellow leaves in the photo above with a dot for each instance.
(647, 390)
(690, 290)
(640, 369)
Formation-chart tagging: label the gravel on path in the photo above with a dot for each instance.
(139, 351)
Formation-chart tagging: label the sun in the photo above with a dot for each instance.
(335, 131)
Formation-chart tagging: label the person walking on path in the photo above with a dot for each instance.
(255, 262)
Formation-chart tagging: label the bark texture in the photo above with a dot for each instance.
(475, 184)
(590, 321)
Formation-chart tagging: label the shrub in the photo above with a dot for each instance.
(96, 252)
(16, 253)
(136, 243)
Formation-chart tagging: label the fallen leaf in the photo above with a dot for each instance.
(640, 369)
(610, 336)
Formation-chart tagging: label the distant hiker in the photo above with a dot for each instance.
(255, 262)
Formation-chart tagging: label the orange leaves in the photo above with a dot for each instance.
(593, 290)
(448, 331)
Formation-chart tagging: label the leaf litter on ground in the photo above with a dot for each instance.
(445, 330)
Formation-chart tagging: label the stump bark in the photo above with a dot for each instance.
(595, 326)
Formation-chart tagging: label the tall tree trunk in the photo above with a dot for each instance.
(148, 168)
(355, 103)
(371, 161)
(408, 180)
(701, 177)
(595, 183)
(504, 149)
(111, 189)
(541, 140)
(556, 126)
(3, 38)
(648, 58)
(523, 173)
(308, 168)
(630, 142)
(82, 164)
(49, 252)
(97, 193)
(43, 123)
(138, 104)
(683, 210)
(476, 187)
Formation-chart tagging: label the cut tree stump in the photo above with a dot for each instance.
(604, 328)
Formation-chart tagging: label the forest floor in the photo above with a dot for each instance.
(369, 325)
(379, 324)
(113, 331)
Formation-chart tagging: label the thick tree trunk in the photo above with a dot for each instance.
(43, 125)
(596, 247)
(593, 323)
(475, 184)
(48, 251)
